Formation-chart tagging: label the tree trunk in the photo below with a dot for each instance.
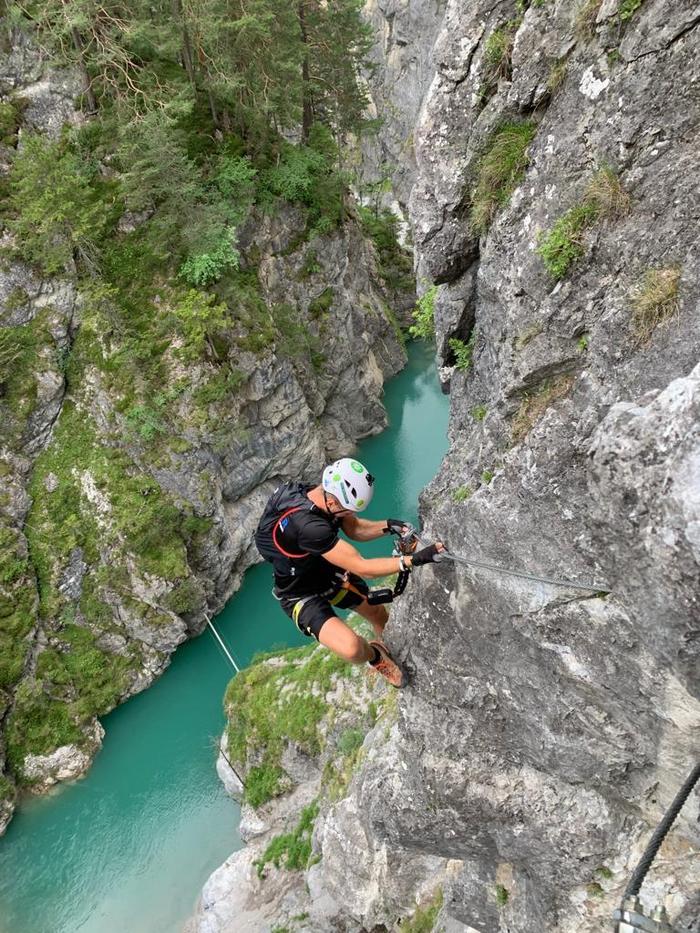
(186, 51)
(87, 84)
(307, 107)
(213, 109)
(341, 218)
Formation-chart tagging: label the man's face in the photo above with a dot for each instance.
(335, 507)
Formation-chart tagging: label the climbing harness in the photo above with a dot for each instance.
(497, 568)
(631, 916)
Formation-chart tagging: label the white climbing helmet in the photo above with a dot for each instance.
(350, 483)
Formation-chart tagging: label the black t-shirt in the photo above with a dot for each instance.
(313, 534)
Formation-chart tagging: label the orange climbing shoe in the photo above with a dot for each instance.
(387, 667)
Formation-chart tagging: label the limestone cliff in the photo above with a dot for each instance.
(127, 514)
(545, 731)
(544, 734)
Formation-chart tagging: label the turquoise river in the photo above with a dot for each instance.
(128, 848)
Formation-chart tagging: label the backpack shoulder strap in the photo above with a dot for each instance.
(297, 508)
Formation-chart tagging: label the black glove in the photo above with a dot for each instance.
(429, 555)
(395, 526)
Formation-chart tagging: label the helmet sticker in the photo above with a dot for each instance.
(357, 467)
(360, 503)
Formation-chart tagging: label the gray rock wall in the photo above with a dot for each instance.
(546, 731)
(405, 32)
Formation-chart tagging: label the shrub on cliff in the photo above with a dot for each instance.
(424, 315)
(395, 262)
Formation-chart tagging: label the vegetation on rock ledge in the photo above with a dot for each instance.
(499, 171)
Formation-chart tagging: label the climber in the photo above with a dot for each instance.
(314, 570)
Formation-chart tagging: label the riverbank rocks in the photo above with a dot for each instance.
(41, 772)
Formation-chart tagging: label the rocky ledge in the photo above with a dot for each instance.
(300, 727)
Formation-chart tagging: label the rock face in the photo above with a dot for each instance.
(65, 764)
(405, 33)
(72, 581)
(547, 728)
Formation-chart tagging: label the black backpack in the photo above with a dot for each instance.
(284, 501)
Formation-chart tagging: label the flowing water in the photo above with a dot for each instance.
(129, 847)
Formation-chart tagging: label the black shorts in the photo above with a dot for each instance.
(310, 612)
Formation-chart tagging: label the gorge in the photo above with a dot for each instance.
(543, 157)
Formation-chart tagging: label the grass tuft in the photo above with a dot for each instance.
(586, 17)
(557, 75)
(423, 920)
(565, 243)
(290, 850)
(605, 191)
(499, 171)
(502, 895)
(498, 52)
(605, 199)
(534, 405)
(628, 8)
(655, 300)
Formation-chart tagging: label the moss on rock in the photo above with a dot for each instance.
(279, 699)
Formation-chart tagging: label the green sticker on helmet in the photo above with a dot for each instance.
(337, 477)
(360, 503)
(357, 467)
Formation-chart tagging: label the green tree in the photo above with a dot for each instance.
(114, 44)
(338, 43)
(158, 176)
(57, 216)
(198, 318)
(248, 59)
